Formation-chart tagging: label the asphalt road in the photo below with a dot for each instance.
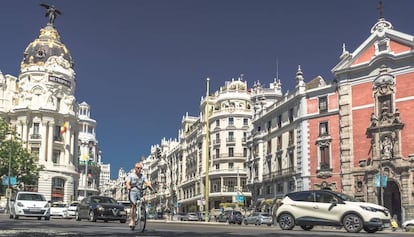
(30, 227)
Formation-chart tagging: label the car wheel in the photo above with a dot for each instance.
(286, 221)
(352, 223)
(92, 216)
(77, 217)
(257, 223)
(370, 229)
(15, 216)
(47, 218)
(306, 227)
(245, 222)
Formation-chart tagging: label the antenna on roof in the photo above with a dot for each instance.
(277, 68)
(381, 9)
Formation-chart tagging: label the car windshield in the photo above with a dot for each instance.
(345, 197)
(264, 214)
(31, 197)
(103, 200)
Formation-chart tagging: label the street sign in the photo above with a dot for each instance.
(378, 183)
(6, 180)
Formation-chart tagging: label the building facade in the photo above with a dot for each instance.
(40, 105)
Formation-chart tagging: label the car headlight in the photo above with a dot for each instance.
(368, 208)
(100, 208)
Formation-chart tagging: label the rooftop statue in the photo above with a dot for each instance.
(51, 12)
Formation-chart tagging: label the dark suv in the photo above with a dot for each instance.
(231, 217)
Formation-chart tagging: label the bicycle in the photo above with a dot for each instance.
(140, 215)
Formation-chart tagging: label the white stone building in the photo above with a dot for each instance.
(40, 105)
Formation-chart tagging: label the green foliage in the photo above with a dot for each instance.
(22, 163)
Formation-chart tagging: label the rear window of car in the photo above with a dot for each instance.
(58, 205)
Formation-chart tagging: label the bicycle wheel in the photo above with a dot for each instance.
(142, 220)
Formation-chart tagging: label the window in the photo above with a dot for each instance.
(231, 121)
(269, 125)
(245, 152)
(291, 161)
(245, 122)
(323, 104)
(217, 123)
(56, 134)
(36, 128)
(217, 166)
(269, 189)
(269, 147)
(231, 137)
(56, 157)
(291, 138)
(279, 187)
(324, 158)
(279, 121)
(279, 142)
(217, 153)
(217, 141)
(291, 115)
(231, 151)
(323, 129)
(231, 165)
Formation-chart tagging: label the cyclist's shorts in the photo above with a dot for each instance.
(134, 195)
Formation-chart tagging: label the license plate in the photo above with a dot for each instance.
(35, 210)
(387, 225)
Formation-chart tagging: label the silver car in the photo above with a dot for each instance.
(259, 218)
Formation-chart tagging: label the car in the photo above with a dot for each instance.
(329, 208)
(259, 218)
(231, 217)
(191, 216)
(180, 216)
(127, 205)
(407, 225)
(72, 209)
(103, 208)
(59, 209)
(29, 204)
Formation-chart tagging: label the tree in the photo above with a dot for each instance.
(23, 164)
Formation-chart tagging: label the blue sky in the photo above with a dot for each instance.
(141, 65)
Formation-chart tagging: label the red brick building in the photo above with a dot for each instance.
(376, 129)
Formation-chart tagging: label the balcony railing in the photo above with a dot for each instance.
(35, 136)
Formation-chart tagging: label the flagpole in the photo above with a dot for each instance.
(206, 187)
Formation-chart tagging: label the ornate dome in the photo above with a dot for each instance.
(41, 49)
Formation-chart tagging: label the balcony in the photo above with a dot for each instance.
(231, 141)
(35, 136)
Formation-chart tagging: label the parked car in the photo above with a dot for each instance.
(29, 204)
(127, 205)
(231, 217)
(180, 216)
(258, 218)
(407, 225)
(191, 216)
(59, 209)
(72, 209)
(100, 208)
(328, 208)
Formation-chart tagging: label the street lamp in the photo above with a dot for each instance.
(8, 191)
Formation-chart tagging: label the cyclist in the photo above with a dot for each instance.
(134, 183)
